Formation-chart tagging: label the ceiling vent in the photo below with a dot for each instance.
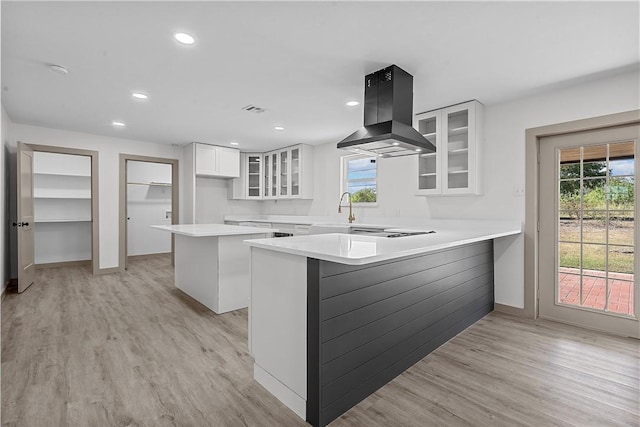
(253, 109)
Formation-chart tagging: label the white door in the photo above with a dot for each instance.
(588, 229)
(25, 224)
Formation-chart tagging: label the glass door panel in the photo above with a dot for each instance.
(596, 227)
(284, 173)
(266, 173)
(274, 175)
(295, 172)
(428, 163)
(253, 181)
(458, 149)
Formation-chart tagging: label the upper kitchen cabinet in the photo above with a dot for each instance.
(250, 183)
(286, 173)
(216, 161)
(455, 167)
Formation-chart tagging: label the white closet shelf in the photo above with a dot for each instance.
(458, 172)
(63, 197)
(428, 174)
(428, 154)
(158, 184)
(75, 175)
(459, 151)
(458, 130)
(42, 221)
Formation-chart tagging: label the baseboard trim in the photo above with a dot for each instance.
(513, 311)
(147, 256)
(110, 270)
(9, 284)
(81, 263)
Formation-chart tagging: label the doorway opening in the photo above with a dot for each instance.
(148, 196)
(57, 209)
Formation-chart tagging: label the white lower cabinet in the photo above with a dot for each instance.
(458, 133)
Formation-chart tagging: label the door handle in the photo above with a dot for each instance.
(20, 224)
(25, 224)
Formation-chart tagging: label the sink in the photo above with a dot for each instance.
(329, 228)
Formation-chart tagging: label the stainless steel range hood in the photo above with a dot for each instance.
(388, 113)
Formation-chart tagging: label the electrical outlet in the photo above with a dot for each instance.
(167, 215)
(518, 191)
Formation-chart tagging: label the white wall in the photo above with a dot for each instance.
(109, 150)
(212, 203)
(504, 165)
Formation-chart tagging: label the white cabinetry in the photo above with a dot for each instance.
(455, 167)
(62, 207)
(249, 184)
(215, 161)
(286, 173)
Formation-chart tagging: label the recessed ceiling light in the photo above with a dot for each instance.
(234, 143)
(58, 69)
(395, 143)
(117, 123)
(418, 149)
(278, 128)
(139, 95)
(184, 38)
(352, 103)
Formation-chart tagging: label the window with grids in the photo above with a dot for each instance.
(360, 178)
(596, 227)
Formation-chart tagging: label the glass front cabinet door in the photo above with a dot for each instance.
(457, 133)
(254, 183)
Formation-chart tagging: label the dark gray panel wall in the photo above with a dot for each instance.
(368, 324)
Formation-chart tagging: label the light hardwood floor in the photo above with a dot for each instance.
(131, 350)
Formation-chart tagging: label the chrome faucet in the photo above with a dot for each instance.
(352, 217)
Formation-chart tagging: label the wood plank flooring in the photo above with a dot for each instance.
(132, 350)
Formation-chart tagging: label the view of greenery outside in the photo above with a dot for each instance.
(583, 218)
(366, 195)
(361, 176)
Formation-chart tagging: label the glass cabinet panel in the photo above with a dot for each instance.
(458, 149)
(295, 172)
(266, 174)
(274, 175)
(253, 176)
(429, 163)
(284, 173)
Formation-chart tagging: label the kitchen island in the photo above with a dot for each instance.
(211, 263)
(334, 317)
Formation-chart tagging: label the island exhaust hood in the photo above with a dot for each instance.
(388, 105)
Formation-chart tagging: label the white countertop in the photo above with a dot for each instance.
(362, 249)
(212, 230)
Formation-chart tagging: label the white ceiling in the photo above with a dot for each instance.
(301, 61)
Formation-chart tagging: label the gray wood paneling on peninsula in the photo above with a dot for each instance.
(367, 324)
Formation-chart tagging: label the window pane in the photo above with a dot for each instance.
(621, 193)
(620, 295)
(621, 259)
(568, 287)
(621, 167)
(569, 255)
(570, 196)
(594, 227)
(594, 292)
(594, 194)
(361, 179)
(621, 228)
(569, 228)
(593, 258)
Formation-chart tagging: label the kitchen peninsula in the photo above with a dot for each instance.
(355, 311)
(211, 263)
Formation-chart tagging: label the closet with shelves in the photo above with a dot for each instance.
(62, 207)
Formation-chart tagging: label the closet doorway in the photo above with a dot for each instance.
(57, 209)
(148, 196)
